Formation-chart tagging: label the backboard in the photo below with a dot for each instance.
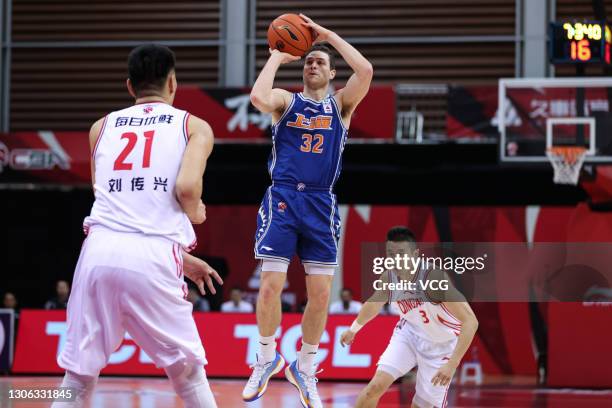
(535, 114)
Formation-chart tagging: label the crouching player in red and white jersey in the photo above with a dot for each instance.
(147, 166)
(431, 335)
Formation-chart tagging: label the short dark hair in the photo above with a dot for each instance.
(400, 234)
(324, 48)
(148, 68)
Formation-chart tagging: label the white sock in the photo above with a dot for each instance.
(190, 383)
(267, 348)
(306, 358)
(81, 385)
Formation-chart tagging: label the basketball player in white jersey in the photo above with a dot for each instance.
(433, 336)
(147, 166)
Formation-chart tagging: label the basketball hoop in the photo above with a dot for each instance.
(567, 162)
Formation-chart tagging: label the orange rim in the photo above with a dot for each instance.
(570, 154)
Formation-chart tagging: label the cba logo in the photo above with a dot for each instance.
(4, 156)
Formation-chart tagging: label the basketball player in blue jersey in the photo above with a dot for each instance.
(299, 212)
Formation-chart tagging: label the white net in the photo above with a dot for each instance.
(566, 162)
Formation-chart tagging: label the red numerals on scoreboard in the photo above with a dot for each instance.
(132, 138)
(580, 50)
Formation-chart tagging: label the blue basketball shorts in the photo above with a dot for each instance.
(303, 222)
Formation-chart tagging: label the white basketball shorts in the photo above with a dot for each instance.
(129, 282)
(407, 350)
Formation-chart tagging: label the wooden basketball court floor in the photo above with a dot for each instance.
(142, 392)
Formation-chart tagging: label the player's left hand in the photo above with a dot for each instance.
(444, 375)
(199, 272)
(347, 338)
(320, 33)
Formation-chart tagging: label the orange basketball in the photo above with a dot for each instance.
(287, 34)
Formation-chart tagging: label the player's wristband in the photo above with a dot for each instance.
(355, 327)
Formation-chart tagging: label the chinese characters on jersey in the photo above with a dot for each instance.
(139, 184)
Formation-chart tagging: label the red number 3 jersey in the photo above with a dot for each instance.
(137, 158)
(427, 319)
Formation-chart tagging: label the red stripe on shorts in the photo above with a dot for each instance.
(176, 261)
(445, 402)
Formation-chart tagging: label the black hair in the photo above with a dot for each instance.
(148, 68)
(324, 48)
(345, 289)
(400, 234)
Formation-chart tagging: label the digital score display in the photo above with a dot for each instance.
(580, 42)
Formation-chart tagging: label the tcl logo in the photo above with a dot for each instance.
(123, 354)
(340, 356)
(46, 332)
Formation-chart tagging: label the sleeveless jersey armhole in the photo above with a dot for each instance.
(339, 114)
(99, 137)
(287, 110)
(186, 127)
(434, 302)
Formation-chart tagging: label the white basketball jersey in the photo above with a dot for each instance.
(137, 158)
(429, 320)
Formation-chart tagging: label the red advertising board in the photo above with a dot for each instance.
(579, 344)
(230, 341)
(231, 115)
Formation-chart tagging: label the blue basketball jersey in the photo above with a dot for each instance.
(308, 141)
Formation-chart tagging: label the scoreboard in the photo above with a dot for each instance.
(580, 42)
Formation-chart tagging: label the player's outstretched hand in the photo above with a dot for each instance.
(444, 374)
(347, 338)
(199, 272)
(285, 57)
(319, 33)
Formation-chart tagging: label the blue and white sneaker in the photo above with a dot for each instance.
(262, 372)
(306, 385)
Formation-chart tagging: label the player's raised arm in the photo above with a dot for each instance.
(263, 97)
(189, 180)
(358, 84)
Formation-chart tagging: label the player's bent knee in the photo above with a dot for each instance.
(271, 284)
(319, 299)
(190, 383)
(270, 291)
(419, 402)
(183, 375)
